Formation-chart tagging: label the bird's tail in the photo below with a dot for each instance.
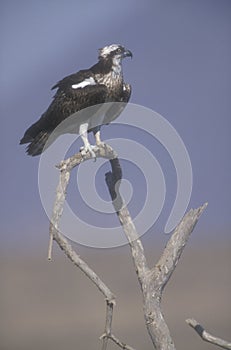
(37, 145)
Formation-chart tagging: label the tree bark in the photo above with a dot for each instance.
(152, 280)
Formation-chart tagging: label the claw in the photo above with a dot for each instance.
(89, 148)
(100, 144)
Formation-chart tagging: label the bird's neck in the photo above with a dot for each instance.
(109, 72)
(108, 66)
(116, 66)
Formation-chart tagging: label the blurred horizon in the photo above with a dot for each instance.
(53, 304)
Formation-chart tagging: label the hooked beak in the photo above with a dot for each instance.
(127, 53)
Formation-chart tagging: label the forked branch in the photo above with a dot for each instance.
(152, 281)
(65, 168)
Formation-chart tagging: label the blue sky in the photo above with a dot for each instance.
(180, 69)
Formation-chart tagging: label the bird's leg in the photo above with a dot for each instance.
(96, 132)
(87, 146)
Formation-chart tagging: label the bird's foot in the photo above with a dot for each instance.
(89, 149)
(100, 144)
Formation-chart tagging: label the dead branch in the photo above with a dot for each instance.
(207, 336)
(65, 168)
(153, 281)
(108, 327)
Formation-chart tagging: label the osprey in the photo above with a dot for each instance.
(99, 84)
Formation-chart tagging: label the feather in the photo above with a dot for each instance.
(101, 83)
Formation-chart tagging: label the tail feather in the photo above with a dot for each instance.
(37, 145)
(33, 131)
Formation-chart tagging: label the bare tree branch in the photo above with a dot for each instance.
(108, 328)
(82, 265)
(207, 336)
(108, 325)
(119, 343)
(152, 281)
(65, 170)
(113, 180)
(164, 268)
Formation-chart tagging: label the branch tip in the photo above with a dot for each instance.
(207, 336)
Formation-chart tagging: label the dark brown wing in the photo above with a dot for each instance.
(67, 101)
(75, 78)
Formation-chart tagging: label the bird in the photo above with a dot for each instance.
(100, 84)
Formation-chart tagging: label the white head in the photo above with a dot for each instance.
(114, 50)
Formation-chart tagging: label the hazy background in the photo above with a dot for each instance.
(181, 69)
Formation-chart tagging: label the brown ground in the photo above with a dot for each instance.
(54, 306)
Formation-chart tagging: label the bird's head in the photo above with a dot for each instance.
(114, 52)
